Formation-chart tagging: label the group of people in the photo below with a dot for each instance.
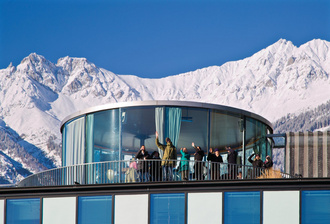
(148, 167)
(215, 157)
(258, 165)
(152, 167)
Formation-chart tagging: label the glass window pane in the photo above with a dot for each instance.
(89, 138)
(242, 207)
(167, 208)
(225, 131)
(74, 142)
(24, 211)
(315, 207)
(138, 128)
(106, 136)
(94, 209)
(194, 124)
(255, 138)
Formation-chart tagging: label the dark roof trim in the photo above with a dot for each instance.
(170, 187)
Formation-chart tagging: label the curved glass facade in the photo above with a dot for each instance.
(117, 132)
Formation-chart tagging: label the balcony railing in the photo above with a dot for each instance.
(138, 171)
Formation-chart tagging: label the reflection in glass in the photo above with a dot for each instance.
(226, 130)
(194, 128)
(94, 209)
(167, 208)
(138, 128)
(256, 141)
(103, 136)
(242, 207)
(23, 211)
(74, 142)
(315, 206)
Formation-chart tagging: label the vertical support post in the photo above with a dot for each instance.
(285, 153)
(118, 167)
(310, 154)
(208, 132)
(244, 148)
(120, 134)
(306, 163)
(315, 154)
(290, 153)
(325, 154)
(296, 153)
(301, 153)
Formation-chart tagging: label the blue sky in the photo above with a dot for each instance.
(159, 38)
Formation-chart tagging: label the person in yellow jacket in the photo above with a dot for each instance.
(169, 157)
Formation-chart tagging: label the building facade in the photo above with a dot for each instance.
(294, 201)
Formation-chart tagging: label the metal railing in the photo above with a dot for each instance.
(136, 171)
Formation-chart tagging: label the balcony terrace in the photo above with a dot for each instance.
(127, 171)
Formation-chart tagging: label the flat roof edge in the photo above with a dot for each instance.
(180, 186)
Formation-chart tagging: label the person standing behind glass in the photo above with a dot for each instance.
(169, 158)
(257, 165)
(155, 167)
(232, 160)
(215, 159)
(143, 167)
(268, 162)
(184, 164)
(198, 167)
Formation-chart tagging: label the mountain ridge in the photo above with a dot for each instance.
(37, 95)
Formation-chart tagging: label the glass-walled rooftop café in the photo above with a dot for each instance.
(117, 131)
(100, 143)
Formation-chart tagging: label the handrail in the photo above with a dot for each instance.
(137, 171)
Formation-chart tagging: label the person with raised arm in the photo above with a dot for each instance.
(257, 164)
(198, 167)
(169, 158)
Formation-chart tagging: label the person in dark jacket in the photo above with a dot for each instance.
(155, 167)
(215, 159)
(268, 162)
(257, 165)
(232, 160)
(143, 165)
(198, 167)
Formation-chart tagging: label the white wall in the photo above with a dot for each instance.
(204, 208)
(131, 209)
(59, 210)
(281, 207)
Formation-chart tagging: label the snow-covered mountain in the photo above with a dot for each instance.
(36, 95)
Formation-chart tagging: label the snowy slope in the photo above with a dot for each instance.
(37, 94)
(277, 80)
